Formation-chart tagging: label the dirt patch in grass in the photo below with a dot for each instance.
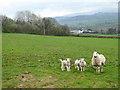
(49, 86)
(28, 81)
(47, 82)
(25, 79)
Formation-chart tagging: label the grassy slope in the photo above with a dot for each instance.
(38, 58)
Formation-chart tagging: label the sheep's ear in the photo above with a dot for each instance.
(60, 60)
(69, 58)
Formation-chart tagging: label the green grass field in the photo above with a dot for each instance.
(32, 61)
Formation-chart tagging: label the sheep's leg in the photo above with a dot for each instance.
(101, 68)
(98, 69)
(81, 69)
(78, 68)
(68, 68)
(62, 68)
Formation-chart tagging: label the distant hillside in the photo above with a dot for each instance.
(94, 21)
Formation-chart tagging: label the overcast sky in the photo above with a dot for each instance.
(52, 8)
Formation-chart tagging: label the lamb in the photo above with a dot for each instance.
(65, 63)
(80, 64)
(77, 64)
(98, 60)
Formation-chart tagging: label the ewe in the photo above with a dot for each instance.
(65, 63)
(98, 60)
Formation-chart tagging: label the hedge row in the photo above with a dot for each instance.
(96, 36)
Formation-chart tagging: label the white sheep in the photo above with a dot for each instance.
(82, 64)
(77, 64)
(65, 63)
(98, 60)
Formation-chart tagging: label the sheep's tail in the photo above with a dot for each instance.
(61, 60)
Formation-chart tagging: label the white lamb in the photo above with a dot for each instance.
(77, 64)
(82, 64)
(98, 60)
(65, 63)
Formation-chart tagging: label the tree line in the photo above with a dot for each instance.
(31, 23)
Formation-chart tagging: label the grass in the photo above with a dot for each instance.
(32, 61)
(0, 61)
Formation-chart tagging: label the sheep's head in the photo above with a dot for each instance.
(82, 60)
(76, 60)
(68, 59)
(95, 54)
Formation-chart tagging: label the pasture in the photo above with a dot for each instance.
(32, 61)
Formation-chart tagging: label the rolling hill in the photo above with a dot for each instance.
(98, 20)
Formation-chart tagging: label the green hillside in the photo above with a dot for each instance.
(98, 20)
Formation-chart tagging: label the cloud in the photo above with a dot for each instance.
(86, 10)
(51, 8)
(52, 13)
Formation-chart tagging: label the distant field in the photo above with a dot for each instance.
(113, 35)
(32, 61)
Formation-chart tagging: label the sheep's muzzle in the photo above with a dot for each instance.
(95, 56)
